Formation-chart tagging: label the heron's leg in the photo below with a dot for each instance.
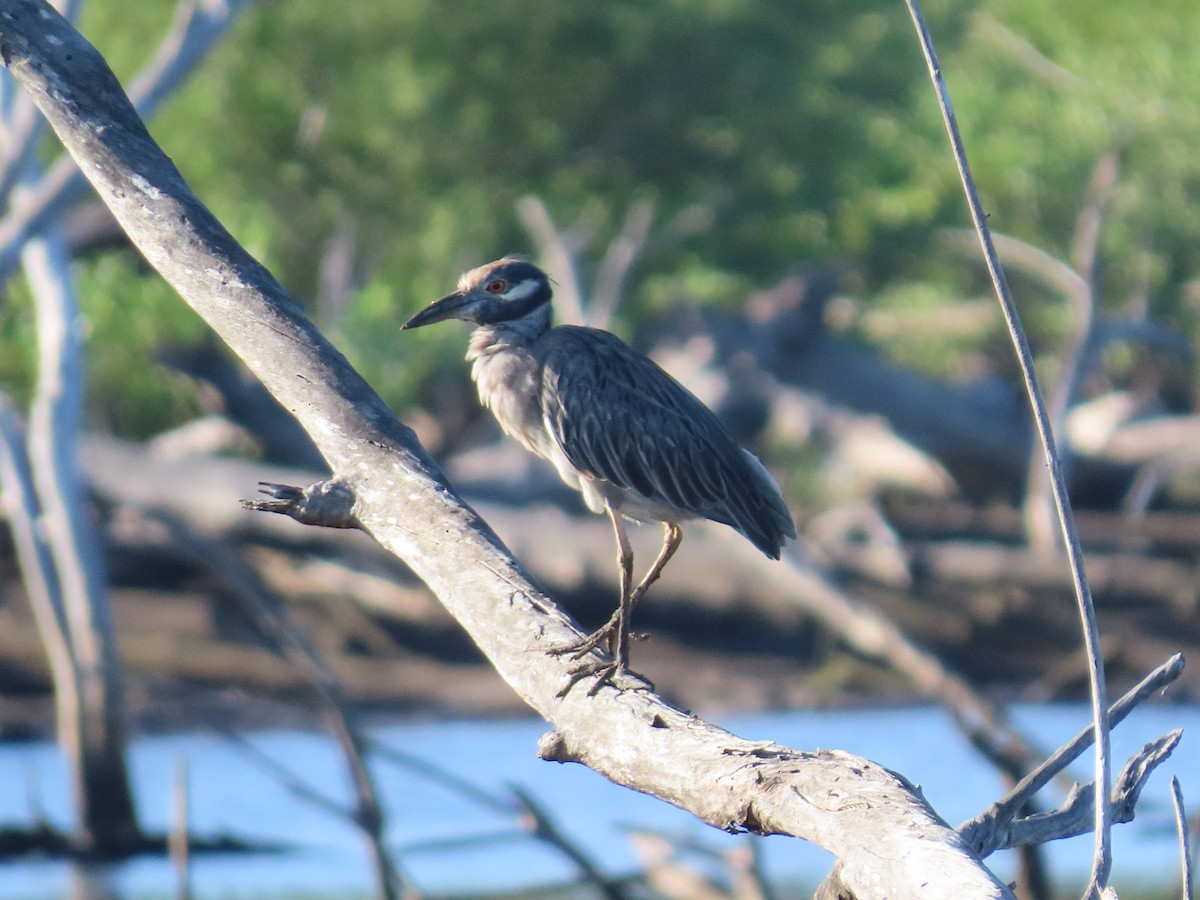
(610, 632)
(672, 538)
(618, 639)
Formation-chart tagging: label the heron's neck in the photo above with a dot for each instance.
(514, 333)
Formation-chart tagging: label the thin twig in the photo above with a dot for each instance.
(178, 838)
(1024, 52)
(544, 829)
(1086, 243)
(520, 806)
(464, 843)
(1081, 301)
(445, 778)
(1102, 857)
(284, 776)
(1185, 850)
(1022, 256)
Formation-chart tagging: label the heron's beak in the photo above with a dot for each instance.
(458, 305)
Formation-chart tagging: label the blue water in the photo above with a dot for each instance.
(476, 847)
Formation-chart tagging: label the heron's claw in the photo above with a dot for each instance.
(605, 672)
(606, 634)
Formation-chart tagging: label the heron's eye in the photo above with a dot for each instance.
(497, 286)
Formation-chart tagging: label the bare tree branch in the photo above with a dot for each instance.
(1102, 861)
(1016, 253)
(994, 818)
(1086, 244)
(285, 776)
(33, 556)
(1082, 305)
(618, 260)
(271, 619)
(530, 817)
(178, 846)
(196, 29)
(1075, 816)
(558, 255)
(887, 838)
(870, 632)
(1185, 850)
(93, 733)
(560, 249)
(1024, 52)
(543, 828)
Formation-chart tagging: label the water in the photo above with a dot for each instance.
(446, 843)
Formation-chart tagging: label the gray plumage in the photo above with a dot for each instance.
(624, 422)
(635, 442)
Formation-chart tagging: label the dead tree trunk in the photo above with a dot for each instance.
(91, 726)
(59, 555)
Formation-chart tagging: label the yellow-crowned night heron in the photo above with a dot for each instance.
(635, 442)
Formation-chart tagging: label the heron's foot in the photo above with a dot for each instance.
(605, 672)
(606, 634)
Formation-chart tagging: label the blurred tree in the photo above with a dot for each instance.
(767, 134)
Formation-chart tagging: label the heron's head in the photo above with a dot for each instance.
(501, 291)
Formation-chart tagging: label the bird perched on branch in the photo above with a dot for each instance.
(637, 444)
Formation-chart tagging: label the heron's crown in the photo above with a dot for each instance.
(506, 290)
(519, 277)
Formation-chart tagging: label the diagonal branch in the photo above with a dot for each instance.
(530, 818)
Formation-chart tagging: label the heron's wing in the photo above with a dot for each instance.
(617, 416)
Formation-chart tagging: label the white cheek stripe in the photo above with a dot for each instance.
(521, 291)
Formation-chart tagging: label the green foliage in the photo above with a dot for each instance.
(18, 346)
(130, 316)
(767, 133)
(1124, 78)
